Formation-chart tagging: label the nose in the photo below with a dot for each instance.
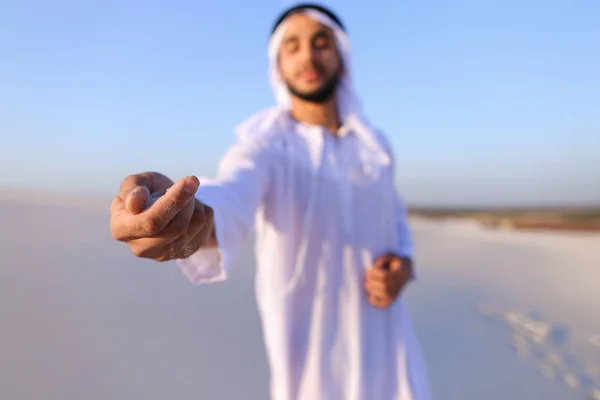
(309, 53)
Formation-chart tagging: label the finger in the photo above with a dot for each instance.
(400, 281)
(176, 232)
(376, 301)
(401, 264)
(195, 236)
(159, 215)
(175, 241)
(379, 302)
(382, 262)
(127, 227)
(199, 220)
(137, 199)
(395, 264)
(154, 181)
(208, 229)
(134, 181)
(376, 288)
(117, 208)
(123, 223)
(405, 268)
(202, 235)
(377, 274)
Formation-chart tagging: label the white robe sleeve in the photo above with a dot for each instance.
(404, 246)
(234, 195)
(405, 243)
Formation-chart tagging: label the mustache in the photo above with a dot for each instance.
(317, 67)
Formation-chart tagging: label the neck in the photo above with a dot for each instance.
(324, 114)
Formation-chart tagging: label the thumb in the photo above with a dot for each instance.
(137, 199)
(395, 264)
(165, 207)
(383, 262)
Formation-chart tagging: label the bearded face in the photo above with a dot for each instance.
(309, 61)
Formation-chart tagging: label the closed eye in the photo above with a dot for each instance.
(321, 40)
(291, 44)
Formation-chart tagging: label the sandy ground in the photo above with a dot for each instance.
(500, 315)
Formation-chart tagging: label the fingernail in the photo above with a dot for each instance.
(191, 185)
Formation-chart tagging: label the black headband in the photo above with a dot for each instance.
(307, 6)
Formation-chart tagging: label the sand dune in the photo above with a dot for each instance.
(500, 315)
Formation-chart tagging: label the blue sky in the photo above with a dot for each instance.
(485, 102)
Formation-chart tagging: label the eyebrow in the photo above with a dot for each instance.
(290, 39)
(320, 33)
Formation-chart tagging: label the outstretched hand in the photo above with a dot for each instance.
(387, 277)
(159, 219)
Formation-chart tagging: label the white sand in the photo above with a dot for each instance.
(500, 315)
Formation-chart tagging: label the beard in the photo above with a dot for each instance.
(320, 95)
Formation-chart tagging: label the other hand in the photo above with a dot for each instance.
(159, 219)
(387, 277)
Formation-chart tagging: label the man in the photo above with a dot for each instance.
(315, 182)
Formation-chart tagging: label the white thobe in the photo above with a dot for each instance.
(323, 208)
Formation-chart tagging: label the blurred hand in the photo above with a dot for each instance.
(386, 278)
(159, 219)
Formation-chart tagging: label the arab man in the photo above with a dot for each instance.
(314, 181)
